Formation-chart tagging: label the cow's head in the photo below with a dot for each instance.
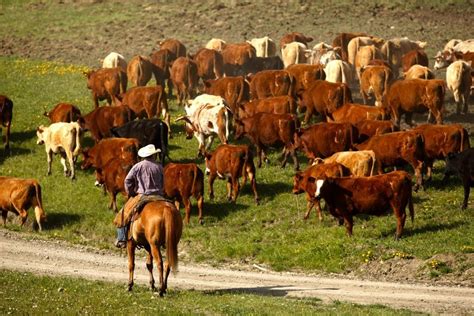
(443, 59)
(239, 128)
(207, 159)
(297, 183)
(188, 126)
(99, 177)
(88, 75)
(87, 159)
(40, 134)
(317, 185)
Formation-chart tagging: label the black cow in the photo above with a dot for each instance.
(461, 164)
(147, 131)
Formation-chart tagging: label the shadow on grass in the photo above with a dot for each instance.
(12, 152)
(278, 291)
(59, 220)
(220, 208)
(269, 190)
(410, 231)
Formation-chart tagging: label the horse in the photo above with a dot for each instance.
(159, 225)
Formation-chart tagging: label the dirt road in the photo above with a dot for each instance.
(56, 258)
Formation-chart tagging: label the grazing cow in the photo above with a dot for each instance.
(294, 53)
(278, 105)
(324, 139)
(101, 120)
(18, 195)
(140, 70)
(181, 181)
(303, 181)
(271, 83)
(184, 75)
(359, 163)
(368, 128)
(210, 64)
(64, 139)
(419, 72)
(375, 195)
(146, 131)
(324, 97)
(63, 112)
(305, 75)
(206, 116)
(396, 149)
(113, 60)
(106, 83)
(162, 60)
(444, 59)
(112, 176)
(234, 90)
(174, 46)
(6, 115)
(338, 71)
(414, 57)
(107, 149)
(357, 43)
(264, 47)
(462, 164)
(238, 59)
(148, 102)
(374, 82)
(231, 162)
(342, 40)
(416, 95)
(459, 81)
(295, 37)
(354, 113)
(395, 48)
(269, 130)
(364, 55)
(216, 44)
(441, 141)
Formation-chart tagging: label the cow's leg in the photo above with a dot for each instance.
(113, 196)
(457, 97)
(212, 178)
(467, 188)
(7, 136)
(96, 101)
(429, 169)
(4, 217)
(465, 98)
(49, 156)
(253, 181)
(259, 155)
(187, 207)
(155, 252)
(177, 204)
(349, 222)
(149, 267)
(200, 202)
(307, 116)
(401, 217)
(131, 262)
(309, 207)
(70, 159)
(364, 96)
(229, 186)
(418, 175)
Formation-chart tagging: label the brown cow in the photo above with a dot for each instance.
(414, 57)
(301, 183)
(18, 195)
(378, 62)
(419, 72)
(324, 139)
(268, 129)
(112, 176)
(416, 95)
(184, 75)
(174, 46)
(442, 140)
(278, 105)
(368, 128)
(101, 120)
(140, 70)
(181, 181)
(305, 75)
(375, 81)
(364, 55)
(106, 83)
(354, 113)
(6, 114)
(324, 97)
(462, 164)
(234, 90)
(295, 37)
(375, 195)
(107, 149)
(342, 40)
(397, 149)
(63, 112)
(209, 64)
(231, 162)
(271, 83)
(162, 60)
(238, 59)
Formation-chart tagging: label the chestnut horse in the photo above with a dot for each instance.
(158, 225)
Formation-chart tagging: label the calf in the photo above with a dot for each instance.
(461, 164)
(277, 105)
(375, 81)
(231, 162)
(358, 163)
(375, 195)
(101, 120)
(64, 139)
(112, 176)
(6, 114)
(271, 83)
(209, 64)
(364, 55)
(184, 75)
(140, 70)
(106, 83)
(181, 181)
(63, 112)
(107, 149)
(238, 59)
(354, 113)
(267, 129)
(414, 57)
(305, 75)
(18, 195)
(235, 90)
(303, 181)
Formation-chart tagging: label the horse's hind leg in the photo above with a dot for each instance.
(155, 252)
(131, 263)
(149, 266)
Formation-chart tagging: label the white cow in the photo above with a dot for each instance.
(216, 44)
(339, 71)
(207, 116)
(294, 53)
(113, 60)
(464, 46)
(459, 81)
(264, 47)
(64, 139)
(450, 45)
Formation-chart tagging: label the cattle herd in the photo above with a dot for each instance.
(248, 90)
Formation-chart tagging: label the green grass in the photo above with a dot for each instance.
(24, 293)
(272, 234)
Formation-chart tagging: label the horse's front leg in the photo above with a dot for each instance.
(155, 252)
(131, 263)
(149, 266)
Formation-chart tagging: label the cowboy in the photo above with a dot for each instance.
(144, 182)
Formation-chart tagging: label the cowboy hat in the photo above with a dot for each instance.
(148, 150)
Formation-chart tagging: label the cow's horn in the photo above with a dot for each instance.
(182, 118)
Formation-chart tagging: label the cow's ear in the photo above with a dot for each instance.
(207, 155)
(40, 129)
(99, 171)
(311, 179)
(207, 83)
(298, 175)
(45, 113)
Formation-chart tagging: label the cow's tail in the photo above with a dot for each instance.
(410, 202)
(373, 163)
(77, 139)
(195, 174)
(123, 81)
(139, 72)
(386, 82)
(464, 140)
(343, 75)
(291, 88)
(39, 211)
(173, 234)
(188, 80)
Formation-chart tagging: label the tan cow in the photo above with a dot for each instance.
(459, 81)
(339, 71)
(18, 195)
(139, 70)
(64, 139)
(264, 47)
(419, 72)
(113, 60)
(216, 44)
(364, 55)
(358, 42)
(395, 48)
(360, 163)
(294, 53)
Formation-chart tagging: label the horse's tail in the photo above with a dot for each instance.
(173, 234)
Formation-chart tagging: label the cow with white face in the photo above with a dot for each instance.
(206, 116)
(264, 47)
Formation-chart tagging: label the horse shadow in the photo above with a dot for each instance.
(277, 291)
(12, 152)
(59, 220)
(220, 209)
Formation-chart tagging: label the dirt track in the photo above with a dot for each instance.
(55, 258)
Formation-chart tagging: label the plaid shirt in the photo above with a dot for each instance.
(145, 177)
